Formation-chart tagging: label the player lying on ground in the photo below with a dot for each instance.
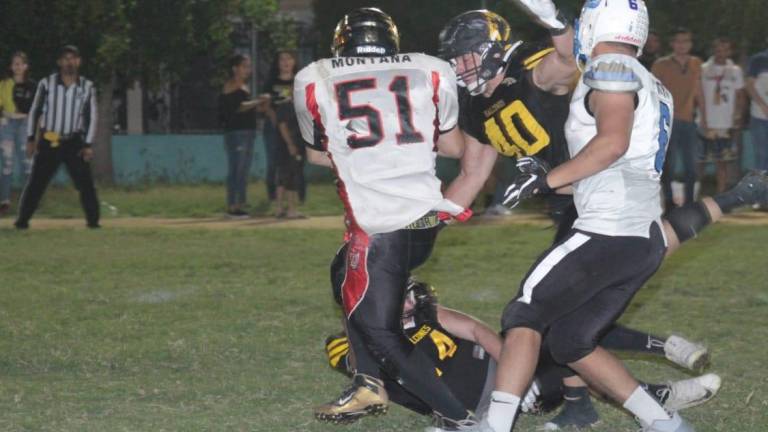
(465, 351)
(514, 103)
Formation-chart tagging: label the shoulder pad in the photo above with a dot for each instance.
(533, 60)
(612, 75)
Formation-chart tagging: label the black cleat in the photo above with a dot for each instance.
(573, 415)
(753, 188)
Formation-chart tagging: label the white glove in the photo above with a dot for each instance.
(528, 404)
(545, 11)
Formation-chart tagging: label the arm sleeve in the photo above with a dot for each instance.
(37, 108)
(448, 99)
(308, 111)
(612, 74)
(92, 117)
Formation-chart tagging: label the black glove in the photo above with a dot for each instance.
(524, 187)
(533, 165)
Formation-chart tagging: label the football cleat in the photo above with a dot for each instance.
(675, 424)
(691, 392)
(573, 415)
(470, 424)
(685, 353)
(752, 188)
(365, 397)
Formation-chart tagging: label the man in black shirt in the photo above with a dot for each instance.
(65, 110)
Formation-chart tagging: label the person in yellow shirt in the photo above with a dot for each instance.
(16, 94)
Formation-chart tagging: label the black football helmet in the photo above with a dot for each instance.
(365, 32)
(424, 298)
(479, 32)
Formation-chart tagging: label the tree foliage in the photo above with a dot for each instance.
(420, 22)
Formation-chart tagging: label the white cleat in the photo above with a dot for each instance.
(468, 425)
(685, 353)
(692, 392)
(675, 424)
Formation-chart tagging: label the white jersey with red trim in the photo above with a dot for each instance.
(379, 118)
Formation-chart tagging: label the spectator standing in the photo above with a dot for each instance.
(238, 117)
(290, 162)
(64, 107)
(680, 72)
(757, 86)
(723, 102)
(651, 51)
(16, 94)
(279, 88)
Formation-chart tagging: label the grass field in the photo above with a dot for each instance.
(155, 329)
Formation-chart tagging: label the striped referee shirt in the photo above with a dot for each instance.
(64, 110)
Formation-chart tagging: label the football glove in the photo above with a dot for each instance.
(533, 165)
(546, 13)
(524, 187)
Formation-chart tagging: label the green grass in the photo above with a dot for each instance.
(178, 201)
(195, 330)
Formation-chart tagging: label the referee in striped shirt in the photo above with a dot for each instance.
(64, 110)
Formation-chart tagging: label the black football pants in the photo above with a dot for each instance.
(44, 166)
(377, 268)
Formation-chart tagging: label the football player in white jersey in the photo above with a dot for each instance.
(379, 118)
(617, 132)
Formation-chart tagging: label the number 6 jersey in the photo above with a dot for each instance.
(623, 199)
(379, 118)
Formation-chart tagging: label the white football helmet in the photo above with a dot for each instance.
(624, 21)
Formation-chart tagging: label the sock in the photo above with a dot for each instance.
(646, 408)
(660, 392)
(620, 338)
(576, 395)
(503, 409)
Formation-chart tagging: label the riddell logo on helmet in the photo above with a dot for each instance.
(368, 49)
(627, 38)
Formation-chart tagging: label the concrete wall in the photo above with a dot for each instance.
(201, 158)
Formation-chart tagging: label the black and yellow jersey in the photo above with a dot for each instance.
(519, 119)
(461, 364)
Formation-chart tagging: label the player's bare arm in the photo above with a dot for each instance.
(470, 328)
(614, 114)
(451, 144)
(476, 165)
(318, 158)
(556, 72)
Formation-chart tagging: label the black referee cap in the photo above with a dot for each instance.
(69, 49)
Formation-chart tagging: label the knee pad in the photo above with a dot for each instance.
(687, 221)
(568, 346)
(519, 314)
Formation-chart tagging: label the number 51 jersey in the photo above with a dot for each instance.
(379, 118)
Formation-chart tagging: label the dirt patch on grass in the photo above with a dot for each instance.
(321, 222)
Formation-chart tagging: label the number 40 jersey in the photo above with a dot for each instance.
(379, 118)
